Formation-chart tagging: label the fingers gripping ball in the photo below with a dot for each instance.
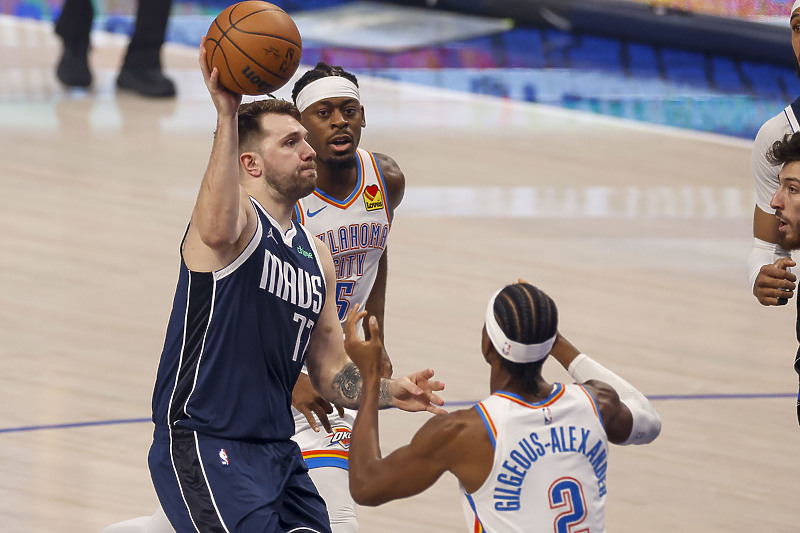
(255, 46)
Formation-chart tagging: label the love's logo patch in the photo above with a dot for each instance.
(373, 199)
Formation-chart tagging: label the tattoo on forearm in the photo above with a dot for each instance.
(348, 385)
(385, 398)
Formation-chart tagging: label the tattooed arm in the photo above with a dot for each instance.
(347, 384)
(338, 380)
(336, 377)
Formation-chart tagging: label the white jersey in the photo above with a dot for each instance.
(550, 462)
(765, 174)
(355, 230)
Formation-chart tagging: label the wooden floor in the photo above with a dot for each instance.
(640, 234)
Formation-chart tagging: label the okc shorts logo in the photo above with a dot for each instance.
(340, 437)
(373, 199)
(223, 457)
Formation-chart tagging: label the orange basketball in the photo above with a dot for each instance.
(255, 46)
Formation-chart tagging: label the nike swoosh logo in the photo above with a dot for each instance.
(309, 214)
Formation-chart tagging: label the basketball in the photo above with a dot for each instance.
(255, 46)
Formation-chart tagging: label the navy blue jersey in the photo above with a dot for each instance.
(237, 338)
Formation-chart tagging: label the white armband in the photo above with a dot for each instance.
(763, 253)
(646, 422)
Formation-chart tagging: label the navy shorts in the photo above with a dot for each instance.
(214, 485)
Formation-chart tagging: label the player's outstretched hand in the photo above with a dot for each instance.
(307, 400)
(775, 283)
(416, 392)
(225, 101)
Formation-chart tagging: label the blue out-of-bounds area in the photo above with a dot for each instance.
(633, 80)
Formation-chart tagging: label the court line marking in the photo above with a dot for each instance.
(75, 425)
(654, 397)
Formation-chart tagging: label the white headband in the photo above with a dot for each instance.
(794, 6)
(511, 350)
(327, 87)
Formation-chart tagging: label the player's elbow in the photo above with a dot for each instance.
(365, 495)
(364, 490)
(362, 497)
(646, 425)
(217, 236)
(217, 242)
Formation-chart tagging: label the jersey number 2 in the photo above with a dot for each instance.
(566, 493)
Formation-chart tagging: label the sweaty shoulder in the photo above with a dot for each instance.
(446, 434)
(393, 177)
(446, 426)
(460, 441)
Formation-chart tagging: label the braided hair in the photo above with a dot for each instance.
(528, 316)
(321, 70)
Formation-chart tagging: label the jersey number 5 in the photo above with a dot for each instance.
(566, 493)
(343, 290)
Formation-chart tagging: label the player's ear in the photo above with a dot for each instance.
(486, 346)
(363, 118)
(251, 164)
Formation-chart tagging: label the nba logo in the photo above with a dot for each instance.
(548, 416)
(223, 457)
(506, 348)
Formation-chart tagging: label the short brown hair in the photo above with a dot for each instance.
(249, 124)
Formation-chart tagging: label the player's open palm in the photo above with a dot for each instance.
(417, 392)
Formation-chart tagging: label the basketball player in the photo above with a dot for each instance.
(255, 301)
(345, 174)
(785, 156)
(533, 456)
(769, 263)
(351, 211)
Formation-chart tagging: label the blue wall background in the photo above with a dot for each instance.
(635, 80)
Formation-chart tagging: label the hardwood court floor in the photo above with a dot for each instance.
(640, 234)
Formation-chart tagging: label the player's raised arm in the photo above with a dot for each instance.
(628, 416)
(409, 470)
(221, 212)
(438, 447)
(337, 378)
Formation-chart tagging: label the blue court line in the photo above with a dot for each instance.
(654, 397)
(75, 425)
(756, 396)
(669, 397)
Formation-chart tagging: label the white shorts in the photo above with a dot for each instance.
(323, 448)
(326, 455)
